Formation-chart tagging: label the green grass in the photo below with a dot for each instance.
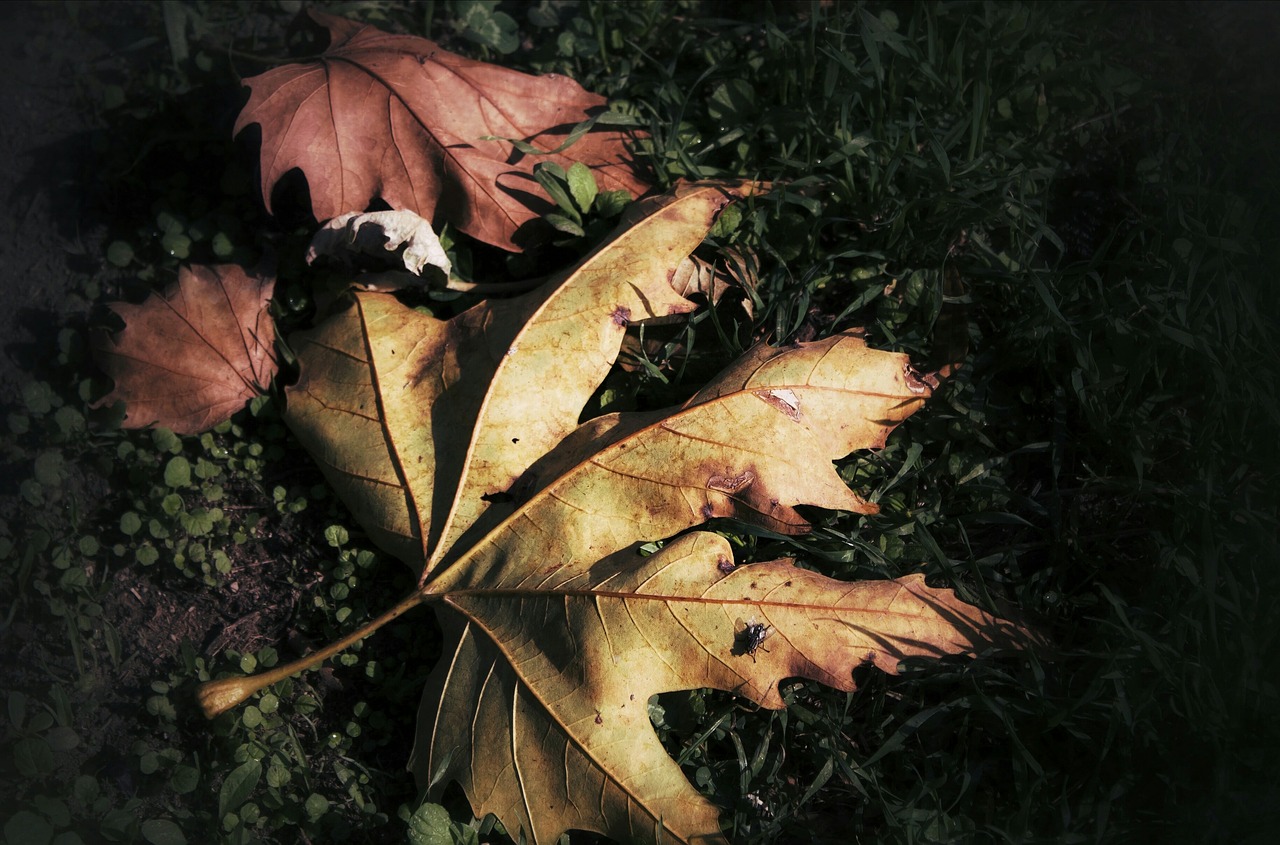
(1104, 462)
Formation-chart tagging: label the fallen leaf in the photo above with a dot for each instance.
(754, 443)
(379, 233)
(397, 117)
(456, 444)
(734, 270)
(192, 355)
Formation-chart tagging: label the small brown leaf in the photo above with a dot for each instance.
(397, 117)
(951, 329)
(731, 277)
(191, 356)
(735, 269)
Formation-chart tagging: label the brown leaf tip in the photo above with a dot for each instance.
(918, 382)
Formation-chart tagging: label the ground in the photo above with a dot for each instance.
(52, 237)
(51, 242)
(54, 228)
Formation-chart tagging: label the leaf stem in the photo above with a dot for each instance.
(217, 697)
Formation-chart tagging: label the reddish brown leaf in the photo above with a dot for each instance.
(190, 356)
(397, 117)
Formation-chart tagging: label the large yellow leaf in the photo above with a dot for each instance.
(557, 629)
(560, 632)
(757, 441)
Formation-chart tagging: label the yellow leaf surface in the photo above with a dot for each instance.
(757, 441)
(559, 632)
(540, 707)
(414, 420)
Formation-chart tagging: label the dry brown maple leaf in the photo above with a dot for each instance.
(397, 117)
(193, 354)
(557, 629)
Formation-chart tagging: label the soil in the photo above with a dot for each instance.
(58, 216)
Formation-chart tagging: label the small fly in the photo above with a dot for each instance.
(749, 637)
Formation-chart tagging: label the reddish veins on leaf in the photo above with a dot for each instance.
(191, 356)
(398, 118)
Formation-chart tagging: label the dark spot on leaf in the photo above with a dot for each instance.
(599, 719)
(515, 440)
(522, 489)
(725, 565)
(708, 511)
(621, 316)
